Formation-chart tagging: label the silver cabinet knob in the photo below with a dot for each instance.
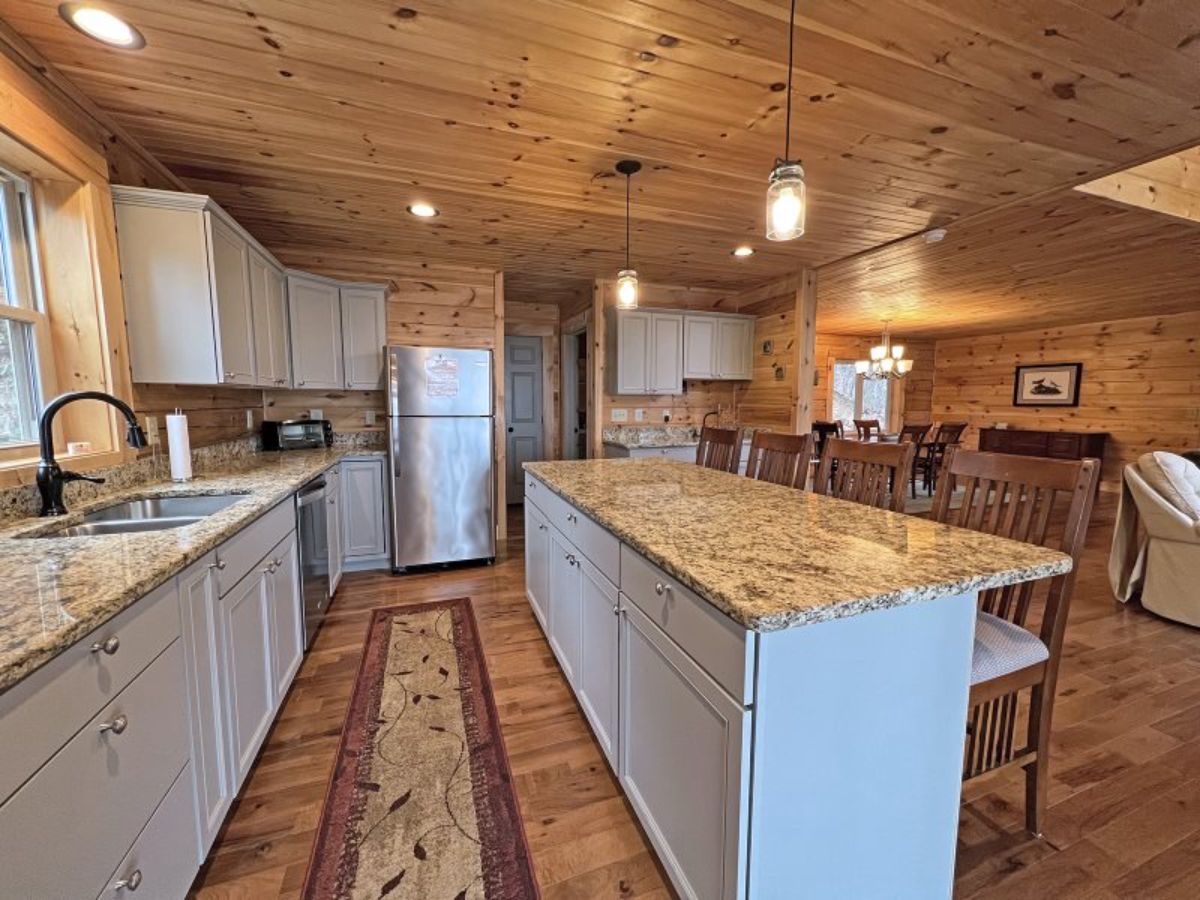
(116, 726)
(228, 374)
(108, 646)
(301, 383)
(219, 564)
(660, 588)
(616, 608)
(132, 883)
(279, 563)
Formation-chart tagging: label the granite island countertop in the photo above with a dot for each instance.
(57, 590)
(772, 557)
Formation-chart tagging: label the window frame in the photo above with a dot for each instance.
(859, 382)
(26, 304)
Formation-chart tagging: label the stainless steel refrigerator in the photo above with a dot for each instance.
(441, 459)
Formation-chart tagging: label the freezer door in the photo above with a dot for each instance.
(442, 490)
(432, 381)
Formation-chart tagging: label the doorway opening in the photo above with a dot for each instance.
(525, 439)
(574, 396)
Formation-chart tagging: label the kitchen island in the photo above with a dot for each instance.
(778, 679)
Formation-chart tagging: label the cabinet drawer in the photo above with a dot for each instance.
(717, 643)
(163, 860)
(589, 538)
(1063, 446)
(66, 830)
(241, 553)
(41, 713)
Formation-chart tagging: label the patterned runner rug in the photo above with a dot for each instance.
(420, 805)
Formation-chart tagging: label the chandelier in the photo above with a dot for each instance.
(887, 360)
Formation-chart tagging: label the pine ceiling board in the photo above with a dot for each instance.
(1061, 259)
(316, 123)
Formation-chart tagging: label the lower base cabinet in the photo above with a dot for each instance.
(245, 614)
(287, 614)
(596, 679)
(564, 599)
(537, 564)
(160, 862)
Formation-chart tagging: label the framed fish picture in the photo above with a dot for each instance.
(1048, 384)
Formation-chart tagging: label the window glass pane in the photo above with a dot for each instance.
(875, 401)
(18, 405)
(844, 386)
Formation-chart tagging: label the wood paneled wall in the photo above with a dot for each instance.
(768, 400)
(1141, 383)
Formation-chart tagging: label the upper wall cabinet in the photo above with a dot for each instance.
(718, 346)
(197, 286)
(338, 333)
(655, 350)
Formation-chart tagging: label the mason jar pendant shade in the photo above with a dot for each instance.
(785, 202)
(627, 278)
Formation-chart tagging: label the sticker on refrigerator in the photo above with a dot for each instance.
(441, 377)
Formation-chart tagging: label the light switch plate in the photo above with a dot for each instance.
(639, 415)
(249, 420)
(316, 413)
(369, 417)
(620, 415)
(152, 430)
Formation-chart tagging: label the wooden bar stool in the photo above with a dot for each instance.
(780, 458)
(720, 448)
(865, 473)
(1014, 497)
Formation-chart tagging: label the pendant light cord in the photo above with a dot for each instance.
(787, 135)
(627, 180)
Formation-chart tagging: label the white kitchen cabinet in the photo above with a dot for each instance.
(684, 761)
(333, 525)
(364, 334)
(564, 598)
(363, 511)
(162, 861)
(699, 346)
(735, 348)
(287, 614)
(203, 646)
(648, 349)
(268, 301)
(597, 675)
(315, 325)
(537, 564)
(186, 279)
(246, 624)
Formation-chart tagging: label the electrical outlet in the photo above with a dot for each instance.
(369, 417)
(316, 413)
(249, 420)
(151, 430)
(620, 415)
(639, 415)
(666, 417)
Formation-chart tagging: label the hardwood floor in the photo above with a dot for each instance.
(1124, 820)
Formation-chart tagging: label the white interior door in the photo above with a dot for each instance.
(522, 407)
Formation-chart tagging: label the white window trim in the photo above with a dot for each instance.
(859, 380)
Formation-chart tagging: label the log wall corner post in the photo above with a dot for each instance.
(501, 474)
(806, 351)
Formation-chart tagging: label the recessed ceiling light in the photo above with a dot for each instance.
(743, 250)
(423, 210)
(97, 22)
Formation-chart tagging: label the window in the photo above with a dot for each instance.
(854, 397)
(24, 329)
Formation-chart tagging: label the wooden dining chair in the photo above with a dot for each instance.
(780, 458)
(720, 448)
(822, 432)
(867, 428)
(872, 474)
(914, 434)
(930, 454)
(1016, 497)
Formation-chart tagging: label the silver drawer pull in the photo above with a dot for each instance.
(279, 563)
(616, 609)
(219, 564)
(660, 588)
(116, 726)
(269, 569)
(571, 517)
(132, 883)
(108, 646)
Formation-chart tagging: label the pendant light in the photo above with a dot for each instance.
(627, 279)
(785, 187)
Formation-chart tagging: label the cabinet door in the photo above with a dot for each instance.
(287, 614)
(364, 522)
(204, 655)
(666, 354)
(537, 564)
(231, 288)
(564, 605)
(364, 333)
(734, 337)
(268, 298)
(699, 346)
(684, 760)
(633, 345)
(598, 657)
(249, 671)
(315, 325)
(333, 524)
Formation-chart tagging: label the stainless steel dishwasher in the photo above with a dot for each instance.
(314, 554)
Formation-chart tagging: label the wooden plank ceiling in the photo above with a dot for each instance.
(315, 123)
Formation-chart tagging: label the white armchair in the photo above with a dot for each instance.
(1156, 544)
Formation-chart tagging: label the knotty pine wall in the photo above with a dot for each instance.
(768, 400)
(1141, 383)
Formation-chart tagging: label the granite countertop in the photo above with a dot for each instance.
(772, 557)
(660, 437)
(57, 590)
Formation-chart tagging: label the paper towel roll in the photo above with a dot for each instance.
(179, 447)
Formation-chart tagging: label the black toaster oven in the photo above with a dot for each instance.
(297, 434)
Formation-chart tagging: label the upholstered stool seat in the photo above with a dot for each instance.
(1002, 648)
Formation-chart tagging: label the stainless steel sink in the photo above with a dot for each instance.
(150, 514)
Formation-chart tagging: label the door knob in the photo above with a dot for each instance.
(510, 429)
